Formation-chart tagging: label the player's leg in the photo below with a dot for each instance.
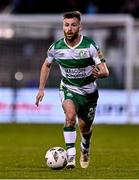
(86, 133)
(86, 116)
(69, 107)
(70, 131)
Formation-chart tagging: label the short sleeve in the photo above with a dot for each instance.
(50, 54)
(96, 54)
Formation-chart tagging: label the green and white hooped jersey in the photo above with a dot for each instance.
(76, 64)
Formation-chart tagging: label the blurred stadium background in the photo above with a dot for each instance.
(27, 28)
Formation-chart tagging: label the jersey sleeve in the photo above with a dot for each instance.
(50, 54)
(96, 54)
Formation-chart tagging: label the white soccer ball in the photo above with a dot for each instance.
(56, 158)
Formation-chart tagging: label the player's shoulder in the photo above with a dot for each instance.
(90, 41)
(59, 44)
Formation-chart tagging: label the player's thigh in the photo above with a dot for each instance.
(70, 113)
(67, 101)
(69, 107)
(86, 116)
(87, 111)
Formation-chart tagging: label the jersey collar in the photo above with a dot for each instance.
(76, 44)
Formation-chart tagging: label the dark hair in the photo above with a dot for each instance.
(72, 14)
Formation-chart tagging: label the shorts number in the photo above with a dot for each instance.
(91, 113)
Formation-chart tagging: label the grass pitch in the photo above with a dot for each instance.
(114, 152)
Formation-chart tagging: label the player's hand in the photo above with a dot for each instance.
(39, 97)
(95, 72)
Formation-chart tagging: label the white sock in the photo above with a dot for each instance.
(70, 138)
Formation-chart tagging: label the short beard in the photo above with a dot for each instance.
(72, 39)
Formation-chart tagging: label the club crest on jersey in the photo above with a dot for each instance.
(83, 54)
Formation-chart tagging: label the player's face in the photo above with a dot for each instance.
(71, 28)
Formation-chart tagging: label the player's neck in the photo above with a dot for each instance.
(74, 42)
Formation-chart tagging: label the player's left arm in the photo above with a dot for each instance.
(100, 70)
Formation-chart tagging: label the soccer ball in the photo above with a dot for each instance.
(56, 158)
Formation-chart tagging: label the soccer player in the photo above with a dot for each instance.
(81, 63)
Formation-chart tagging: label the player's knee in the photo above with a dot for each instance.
(70, 119)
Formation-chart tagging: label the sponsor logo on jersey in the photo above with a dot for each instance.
(69, 94)
(75, 73)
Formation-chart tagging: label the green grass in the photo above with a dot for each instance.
(114, 152)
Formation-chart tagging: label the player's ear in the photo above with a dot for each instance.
(80, 27)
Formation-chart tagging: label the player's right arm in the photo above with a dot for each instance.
(45, 69)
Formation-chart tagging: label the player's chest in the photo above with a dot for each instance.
(72, 53)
